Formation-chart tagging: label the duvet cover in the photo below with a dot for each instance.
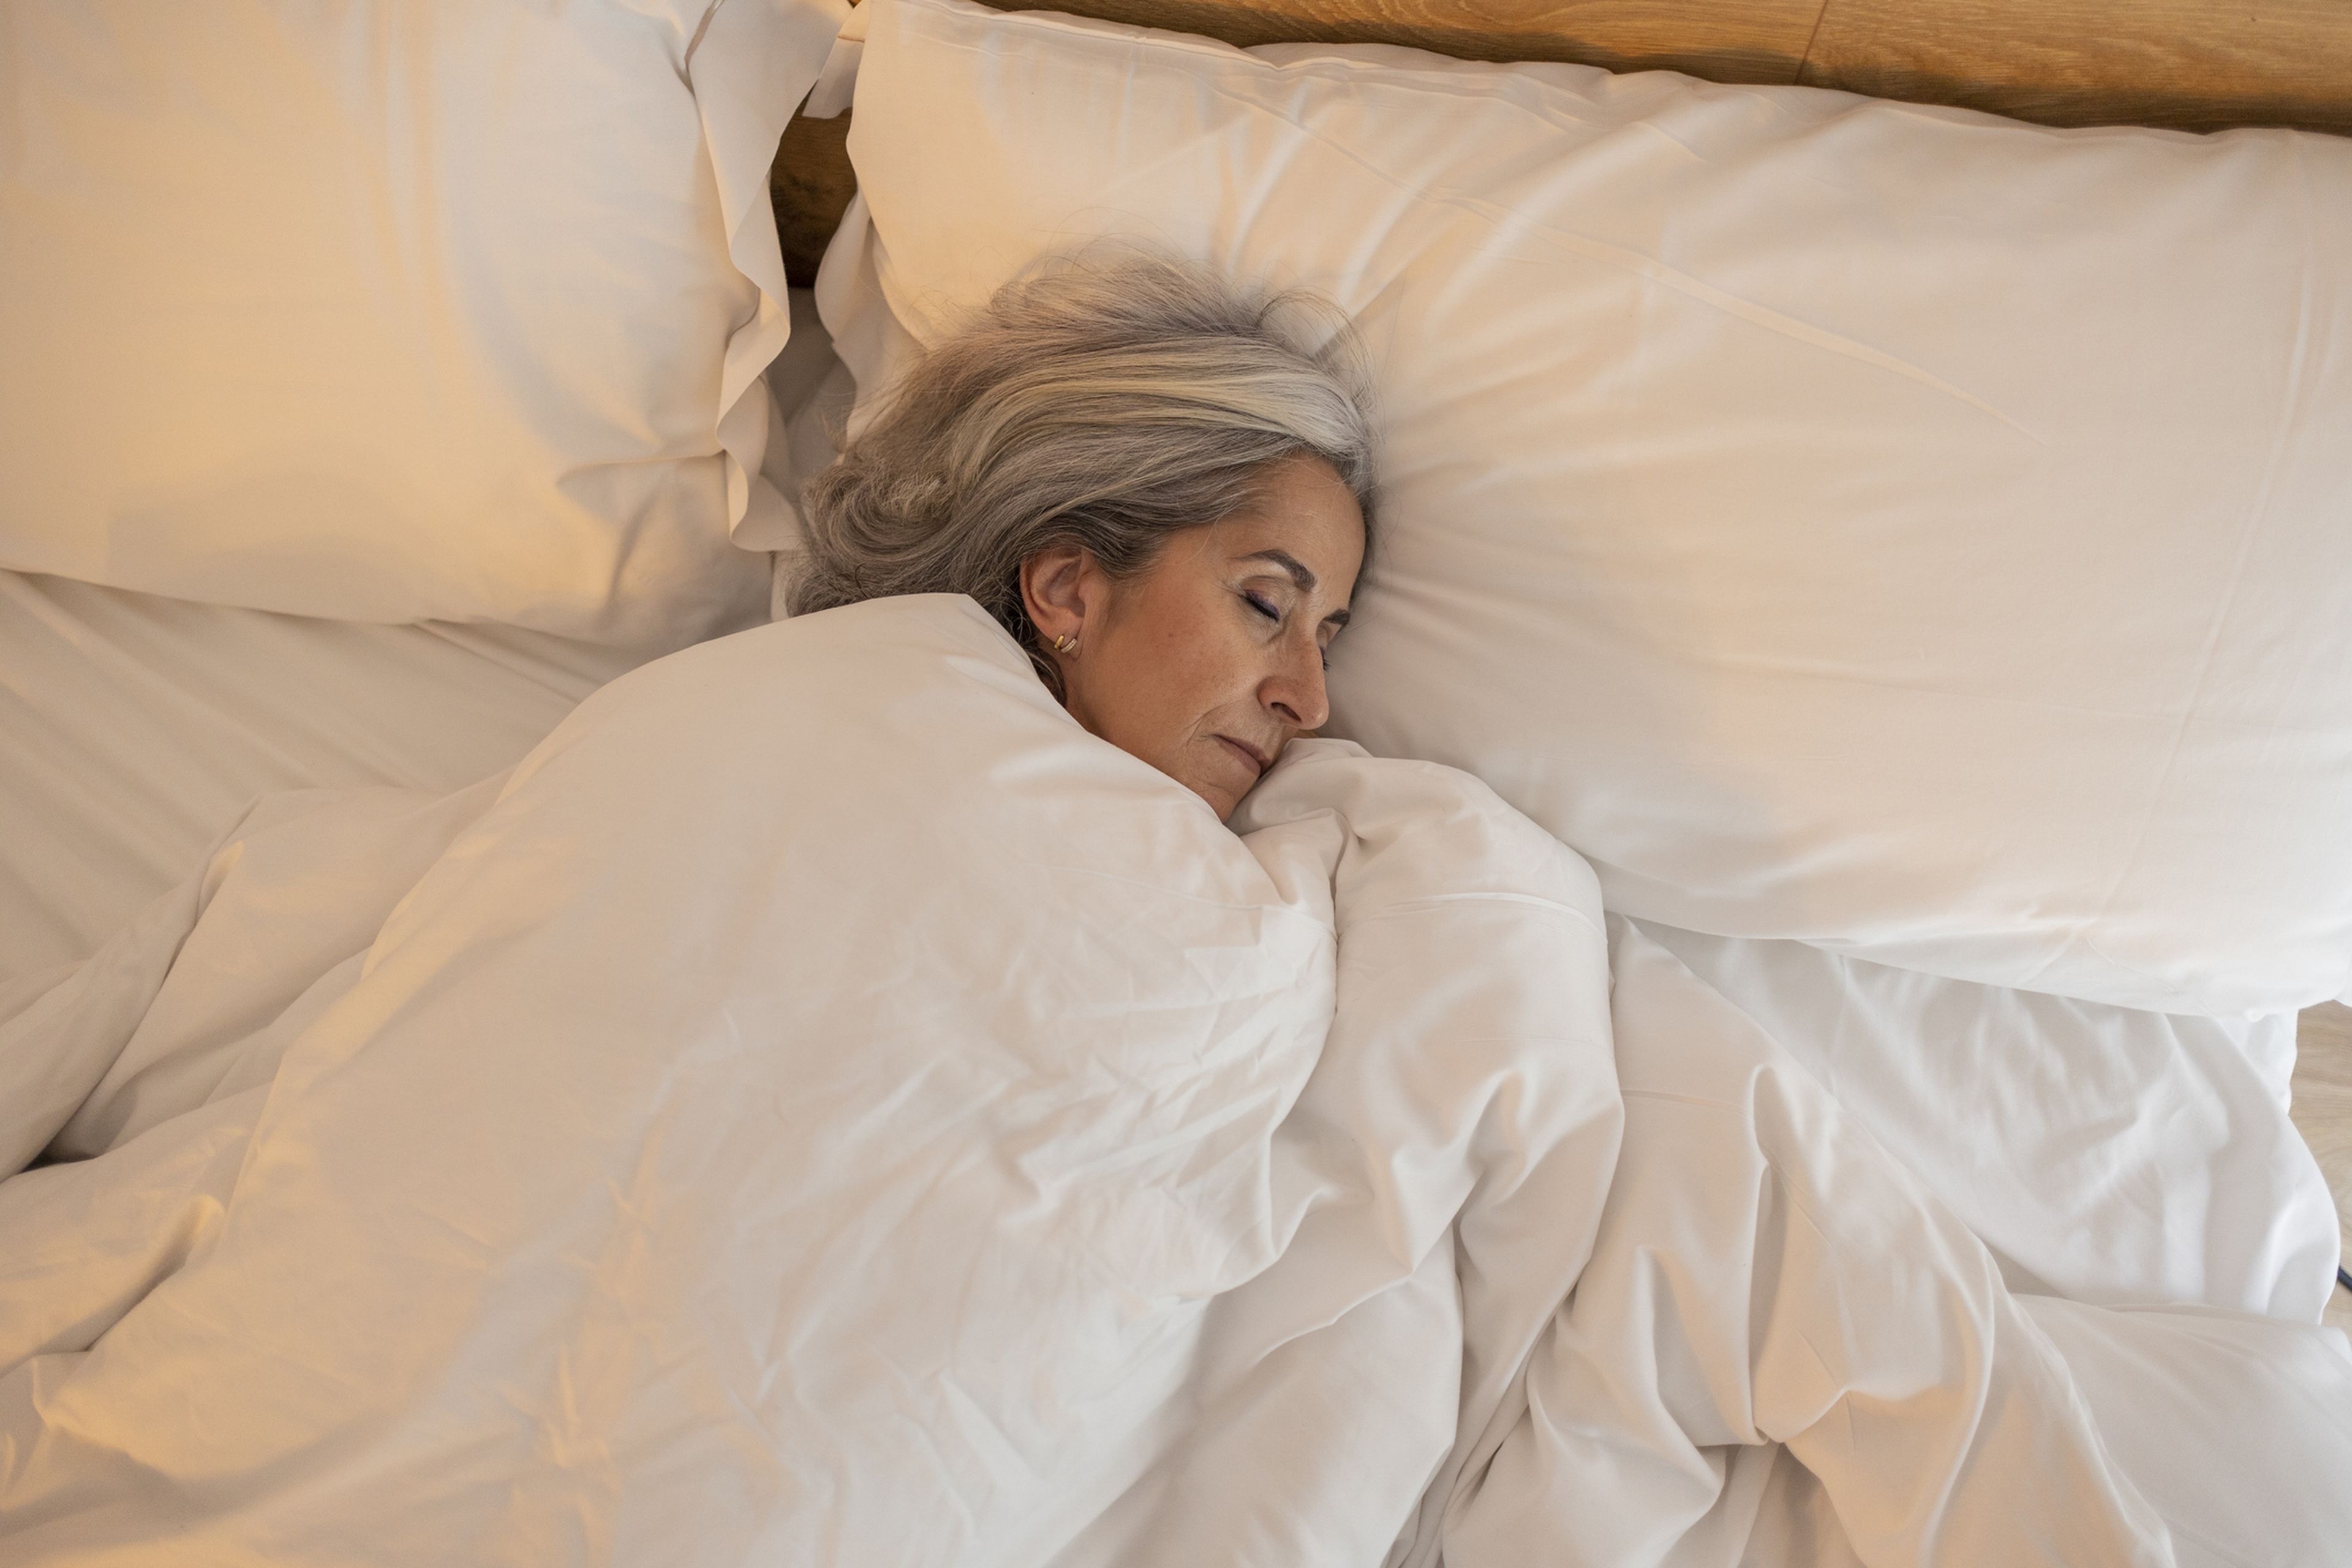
(824, 1107)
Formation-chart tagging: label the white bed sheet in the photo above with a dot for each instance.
(135, 729)
(2103, 1154)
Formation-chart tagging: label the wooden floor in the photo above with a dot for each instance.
(2197, 65)
(2323, 1111)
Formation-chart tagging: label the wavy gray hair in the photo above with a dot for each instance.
(1106, 404)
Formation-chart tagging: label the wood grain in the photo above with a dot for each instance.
(2196, 65)
(809, 186)
(2322, 1114)
(1758, 41)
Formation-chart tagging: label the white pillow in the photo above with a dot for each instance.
(397, 310)
(1895, 528)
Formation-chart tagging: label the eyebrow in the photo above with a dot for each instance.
(1298, 574)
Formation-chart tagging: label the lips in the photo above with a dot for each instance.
(1249, 754)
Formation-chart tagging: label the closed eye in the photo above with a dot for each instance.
(1266, 607)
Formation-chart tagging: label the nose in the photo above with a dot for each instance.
(1295, 692)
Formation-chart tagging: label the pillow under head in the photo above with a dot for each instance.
(1900, 529)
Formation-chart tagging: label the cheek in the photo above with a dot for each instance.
(1204, 674)
(1163, 689)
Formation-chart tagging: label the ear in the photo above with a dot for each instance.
(1055, 590)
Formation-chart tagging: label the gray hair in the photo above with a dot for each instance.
(1106, 405)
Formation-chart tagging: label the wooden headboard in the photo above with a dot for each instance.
(2194, 64)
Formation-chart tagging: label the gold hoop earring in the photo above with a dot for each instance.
(1066, 645)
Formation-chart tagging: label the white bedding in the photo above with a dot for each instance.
(2102, 1152)
(2106, 1153)
(135, 729)
(1888, 527)
(465, 315)
(622, 1160)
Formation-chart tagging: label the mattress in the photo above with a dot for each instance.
(134, 730)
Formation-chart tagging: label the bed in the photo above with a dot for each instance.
(377, 663)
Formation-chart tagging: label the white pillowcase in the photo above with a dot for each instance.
(397, 310)
(1895, 528)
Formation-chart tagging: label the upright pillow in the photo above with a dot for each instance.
(398, 309)
(1899, 529)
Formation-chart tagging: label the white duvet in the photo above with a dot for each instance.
(822, 1106)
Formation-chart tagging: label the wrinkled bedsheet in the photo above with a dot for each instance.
(822, 1106)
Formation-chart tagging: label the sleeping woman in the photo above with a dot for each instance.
(1158, 481)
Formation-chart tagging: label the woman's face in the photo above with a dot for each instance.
(1207, 664)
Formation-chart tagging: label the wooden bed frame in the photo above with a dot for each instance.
(2192, 65)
